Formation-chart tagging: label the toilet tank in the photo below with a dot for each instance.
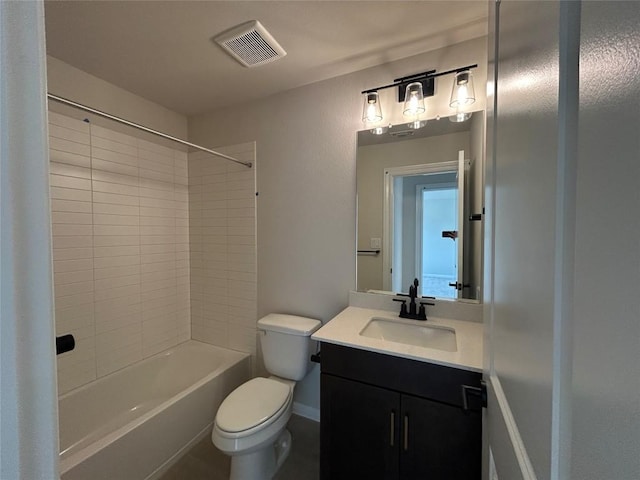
(287, 345)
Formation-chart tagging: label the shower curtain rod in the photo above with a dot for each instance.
(146, 129)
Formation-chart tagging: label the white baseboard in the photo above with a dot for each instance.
(519, 451)
(306, 411)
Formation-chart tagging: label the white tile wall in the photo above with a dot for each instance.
(71, 215)
(121, 248)
(222, 228)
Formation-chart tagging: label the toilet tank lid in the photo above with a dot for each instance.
(291, 324)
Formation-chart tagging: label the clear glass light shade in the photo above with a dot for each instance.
(463, 92)
(413, 100)
(371, 112)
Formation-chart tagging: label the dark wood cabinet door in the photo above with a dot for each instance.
(439, 441)
(359, 431)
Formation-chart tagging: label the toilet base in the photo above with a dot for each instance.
(262, 464)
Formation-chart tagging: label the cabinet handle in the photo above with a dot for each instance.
(393, 428)
(406, 433)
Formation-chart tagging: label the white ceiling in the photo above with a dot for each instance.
(162, 50)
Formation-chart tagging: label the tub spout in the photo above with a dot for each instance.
(65, 343)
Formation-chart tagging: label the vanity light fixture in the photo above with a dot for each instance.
(412, 90)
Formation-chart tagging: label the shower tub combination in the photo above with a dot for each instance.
(135, 423)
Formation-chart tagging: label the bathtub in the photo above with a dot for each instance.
(135, 423)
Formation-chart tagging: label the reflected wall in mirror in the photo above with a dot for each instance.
(420, 203)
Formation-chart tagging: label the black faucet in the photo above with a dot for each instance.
(413, 312)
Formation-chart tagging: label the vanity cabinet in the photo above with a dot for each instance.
(386, 417)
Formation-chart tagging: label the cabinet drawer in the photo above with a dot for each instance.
(442, 384)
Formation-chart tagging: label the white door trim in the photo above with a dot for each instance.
(387, 212)
(28, 392)
(519, 450)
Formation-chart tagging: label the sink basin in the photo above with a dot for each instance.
(428, 336)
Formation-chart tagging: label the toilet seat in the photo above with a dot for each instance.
(252, 406)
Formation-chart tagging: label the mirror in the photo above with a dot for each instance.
(420, 204)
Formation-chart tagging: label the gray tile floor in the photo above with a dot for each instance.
(205, 462)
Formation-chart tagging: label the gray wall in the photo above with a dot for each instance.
(563, 312)
(525, 234)
(71, 83)
(306, 150)
(605, 403)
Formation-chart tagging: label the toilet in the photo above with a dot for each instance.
(250, 423)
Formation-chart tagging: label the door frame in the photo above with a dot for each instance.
(28, 388)
(390, 173)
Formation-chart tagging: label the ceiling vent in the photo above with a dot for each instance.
(250, 44)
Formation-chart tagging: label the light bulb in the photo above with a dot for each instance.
(463, 96)
(372, 114)
(413, 105)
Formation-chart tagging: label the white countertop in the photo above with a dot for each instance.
(344, 329)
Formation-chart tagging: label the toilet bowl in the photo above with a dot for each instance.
(250, 423)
